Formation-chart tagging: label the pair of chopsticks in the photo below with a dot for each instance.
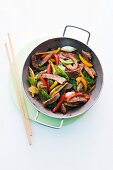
(18, 88)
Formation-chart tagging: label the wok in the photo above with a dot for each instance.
(54, 43)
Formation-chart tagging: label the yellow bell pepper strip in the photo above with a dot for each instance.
(81, 74)
(53, 85)
(31, 72)
(48, 52)
(59, 103)
(89, 71)
(85, 61)
(52, 66)
(57, 89)
(33, 90)
(80, 79)
(52, 60)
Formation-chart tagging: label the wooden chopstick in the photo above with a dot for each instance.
(18, 80)
(18, 89)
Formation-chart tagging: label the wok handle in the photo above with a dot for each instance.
(77, 28)
(45, 124)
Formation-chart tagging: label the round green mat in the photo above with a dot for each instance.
(42, 118)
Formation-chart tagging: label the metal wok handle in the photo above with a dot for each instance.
(45, 124)
(79, 29)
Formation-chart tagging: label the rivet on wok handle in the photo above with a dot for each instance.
(77, 28)
(51, 126)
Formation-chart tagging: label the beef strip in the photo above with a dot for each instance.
(34, 61)
(73, 73)
(79, 86)
(78, 99)
(60, 80)
(86, 55)
(45, 59)
(93, 71)
(51, 100)
(63, 108)
(67, 87)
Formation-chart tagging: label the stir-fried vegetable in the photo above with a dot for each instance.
(48, 52)
(81, 79)
(31, 80)
(62, 79)
(44, 82)
(45, 94)
(33, 90)
(59, 103)
(85, 61)
(53, 85)
(61, 73)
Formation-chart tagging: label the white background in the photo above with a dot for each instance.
(87, 144)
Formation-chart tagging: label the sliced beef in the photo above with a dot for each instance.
(61, 80)
(78, 100)
(63, 108)
(51, 100)
(93, 71)
(72, 74)
(79, 86)
(34, 61)
(67, 87)
(45, 59)
(75, 72)
(86, 55)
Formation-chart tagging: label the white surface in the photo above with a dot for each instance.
(86, 144)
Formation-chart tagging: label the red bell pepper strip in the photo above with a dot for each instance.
(59, 103)
(55, 56)
(77, 94)
(44, 82)
(43, 56)
(49, 68)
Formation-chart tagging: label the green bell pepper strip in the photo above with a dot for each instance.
(45, 95)
(90, 81)
(61, 73)
(77, 58)
(32, 81)
(69, 61)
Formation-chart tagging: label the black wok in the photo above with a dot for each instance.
(54, 43)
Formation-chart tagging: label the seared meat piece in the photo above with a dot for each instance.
(63, 108)
(45, 59)
(75, 72)
(78, 100)
(51, 100)
(61, 80)
(93, 71)
(67, 87)
(43, 72)
(86, 55)
(66, 55)
(34, 61)
(79, 86)
(71, 74)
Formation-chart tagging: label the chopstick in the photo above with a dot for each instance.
(18, 89)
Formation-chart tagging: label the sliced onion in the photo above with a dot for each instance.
(68, 49)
